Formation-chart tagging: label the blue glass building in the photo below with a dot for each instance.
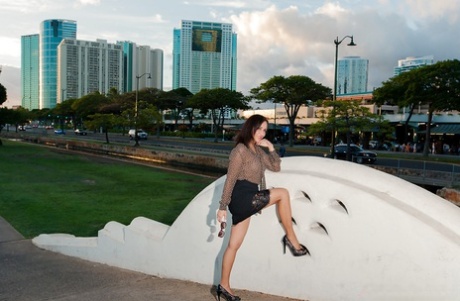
(30, 57)
(129, 58)
(51, 34)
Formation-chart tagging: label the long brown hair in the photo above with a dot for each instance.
(250, 126)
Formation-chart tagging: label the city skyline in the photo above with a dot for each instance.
(274, 37)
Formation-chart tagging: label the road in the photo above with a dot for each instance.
(420, 171)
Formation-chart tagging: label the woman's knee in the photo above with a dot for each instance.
(281, 193)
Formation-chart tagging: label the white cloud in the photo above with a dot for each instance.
(331, 9)
(10, 46)
(290, 41)
(434, 9)
(88, 2)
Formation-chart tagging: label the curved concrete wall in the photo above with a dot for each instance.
(372, 236)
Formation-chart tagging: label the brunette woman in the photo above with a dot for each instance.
(245, 194)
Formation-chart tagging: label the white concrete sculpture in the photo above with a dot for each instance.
(372, 236)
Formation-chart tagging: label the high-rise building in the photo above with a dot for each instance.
(410, 63)
(352, 75)
(151, 62)
(204, 56)
(51, 34)
(129, 63)
(30, 62)
(88, 66)
(139, 60)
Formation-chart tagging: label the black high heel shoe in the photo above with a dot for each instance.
(229, 297)
(295, 252)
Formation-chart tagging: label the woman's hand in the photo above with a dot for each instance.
(268, 144)
(221, 216)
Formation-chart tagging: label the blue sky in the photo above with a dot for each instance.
(274, 37)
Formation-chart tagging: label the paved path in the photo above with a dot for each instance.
(29, 273)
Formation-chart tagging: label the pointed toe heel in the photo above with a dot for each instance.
(226, 295)
(295, 252)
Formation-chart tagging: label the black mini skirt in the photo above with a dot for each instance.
(247, 200)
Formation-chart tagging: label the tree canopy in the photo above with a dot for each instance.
(437, 86)
(293, 92)
(3, 95)
(217, 102)
(346, 117)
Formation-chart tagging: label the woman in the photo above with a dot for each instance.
(245, 194)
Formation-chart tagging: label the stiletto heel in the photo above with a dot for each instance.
(295, 252)
(228, 297)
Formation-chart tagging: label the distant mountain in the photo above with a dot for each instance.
(10, 78)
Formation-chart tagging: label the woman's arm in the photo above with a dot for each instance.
(234, 167)
(271, 160)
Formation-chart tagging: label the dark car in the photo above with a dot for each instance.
(59, 132)
(358, 154)
(81, 132)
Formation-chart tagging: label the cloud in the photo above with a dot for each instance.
(291, 41)
(88, 2)
(281, 42)
(422, 9)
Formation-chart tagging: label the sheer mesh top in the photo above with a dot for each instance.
(247, 165)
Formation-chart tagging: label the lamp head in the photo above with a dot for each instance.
(351, 42)
(150, 76)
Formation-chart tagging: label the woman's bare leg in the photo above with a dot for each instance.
(280, 197)
(236, 239)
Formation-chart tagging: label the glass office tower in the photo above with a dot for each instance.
(138, 60)
(411, 63)
(30, 71)
(352, 73)
(51, 34)
(204, 56)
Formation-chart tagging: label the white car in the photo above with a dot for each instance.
(141, 134)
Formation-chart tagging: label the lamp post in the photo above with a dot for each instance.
(274, 138)
(138, 77)
(334, 96)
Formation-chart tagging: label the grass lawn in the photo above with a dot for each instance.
(46, 190)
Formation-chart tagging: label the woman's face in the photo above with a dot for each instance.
(260, 132)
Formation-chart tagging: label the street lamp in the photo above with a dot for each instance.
(334, 97)
(138, 77)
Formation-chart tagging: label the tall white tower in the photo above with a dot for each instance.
(352, 75)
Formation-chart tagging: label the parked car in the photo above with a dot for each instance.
(141, 134)
(358, 154)
(59, 132)
(81, 132)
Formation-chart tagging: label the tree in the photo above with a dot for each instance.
(3, 95)
(217, 102)
(394, 92)
(64, 110)
(437, 86)
(2, 100)
(178, 102)
(101, 121)
(89, 104)
(347, 116)
(293, 92)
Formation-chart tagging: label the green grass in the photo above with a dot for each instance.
(45, 190)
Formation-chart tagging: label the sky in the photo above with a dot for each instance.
(275, 37)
